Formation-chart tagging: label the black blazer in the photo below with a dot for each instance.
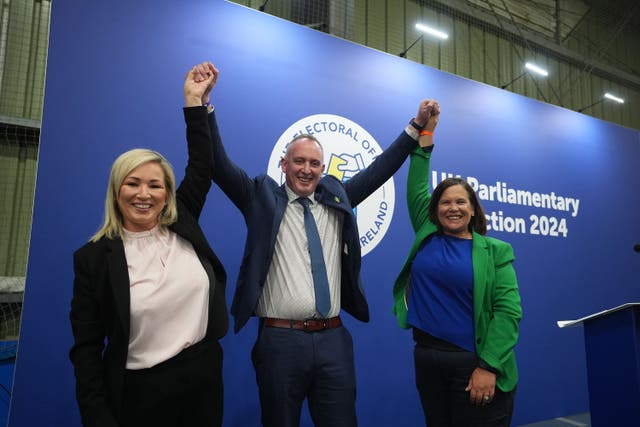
(100, 306)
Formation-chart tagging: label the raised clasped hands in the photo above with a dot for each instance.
(199, 82)
(428, 114)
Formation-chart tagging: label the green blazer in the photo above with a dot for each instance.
(496, 300)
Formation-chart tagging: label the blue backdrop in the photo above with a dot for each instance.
(558, 185)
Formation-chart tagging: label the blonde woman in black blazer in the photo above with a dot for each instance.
(183, 384)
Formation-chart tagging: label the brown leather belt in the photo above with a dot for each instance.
(309, 325)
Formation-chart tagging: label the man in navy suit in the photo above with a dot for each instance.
(301, 353)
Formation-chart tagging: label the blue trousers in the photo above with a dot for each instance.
(441, 377)
(293, 365)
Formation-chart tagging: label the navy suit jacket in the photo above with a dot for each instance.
(100, 308)
(263, 201)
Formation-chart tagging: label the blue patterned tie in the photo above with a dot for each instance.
(318, 268)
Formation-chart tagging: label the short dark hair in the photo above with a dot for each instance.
(478, 221)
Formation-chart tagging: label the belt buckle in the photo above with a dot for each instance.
(310, 325)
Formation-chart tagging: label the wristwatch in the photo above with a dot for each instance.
(209, 107)
(484, 365)
(416, 126)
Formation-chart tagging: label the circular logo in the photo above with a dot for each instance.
(348, 149)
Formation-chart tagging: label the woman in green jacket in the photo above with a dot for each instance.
(458, 292)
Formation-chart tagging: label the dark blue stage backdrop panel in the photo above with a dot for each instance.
(558, 185)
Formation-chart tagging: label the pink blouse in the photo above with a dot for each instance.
(169, 291)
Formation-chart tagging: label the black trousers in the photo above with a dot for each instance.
(185, 390)
(441, 377)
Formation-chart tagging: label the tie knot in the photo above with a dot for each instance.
(304, 201)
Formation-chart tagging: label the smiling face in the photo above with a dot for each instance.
(142, 197)
(455, 212)
(303, 166)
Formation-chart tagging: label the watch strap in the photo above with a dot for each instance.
(416, 126)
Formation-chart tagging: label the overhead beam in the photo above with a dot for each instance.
(524, 36)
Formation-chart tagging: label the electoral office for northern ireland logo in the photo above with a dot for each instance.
(348, 149)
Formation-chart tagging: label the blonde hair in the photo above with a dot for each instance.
(123, 166)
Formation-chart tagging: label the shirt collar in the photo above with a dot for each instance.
(293, 196)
